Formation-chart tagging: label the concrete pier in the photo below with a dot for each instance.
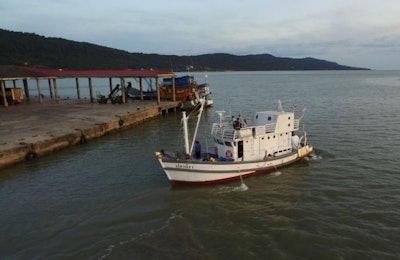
(29, 131)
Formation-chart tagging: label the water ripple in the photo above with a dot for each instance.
(178, 214)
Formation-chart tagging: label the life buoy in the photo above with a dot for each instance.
(228, 154)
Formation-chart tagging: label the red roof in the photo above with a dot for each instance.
(11, 72)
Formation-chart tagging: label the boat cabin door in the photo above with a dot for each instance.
(240, 149)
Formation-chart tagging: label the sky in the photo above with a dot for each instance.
(359, 33)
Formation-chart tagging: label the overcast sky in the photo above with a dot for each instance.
(361, 33)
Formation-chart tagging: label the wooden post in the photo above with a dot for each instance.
(50, 89)
(14, 83)
(3, 92)
(158, 92)
(173, 89)
(78, 92)
(123, 90)
(55, 90)
(111, 86)
(38, 90)
(91, 90)
(141, 88)
(26, 89)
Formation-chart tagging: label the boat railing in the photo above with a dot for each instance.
(223, 131)
(226, 131)
(296, 124)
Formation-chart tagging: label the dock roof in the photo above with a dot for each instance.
(11, 72)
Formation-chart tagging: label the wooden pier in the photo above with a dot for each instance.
(30, 131)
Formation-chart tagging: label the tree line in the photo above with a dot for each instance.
(30, 49)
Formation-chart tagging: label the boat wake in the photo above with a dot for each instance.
(227, 189)
(274, 174)
(242, 187)
(178, 214)
(314, 156)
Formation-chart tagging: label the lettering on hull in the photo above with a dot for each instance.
(184, 166)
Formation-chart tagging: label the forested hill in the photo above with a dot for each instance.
(17, 48)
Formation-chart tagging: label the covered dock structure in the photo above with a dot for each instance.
(11, 74)
(42, 125)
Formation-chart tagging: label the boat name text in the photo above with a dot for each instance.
(184, 166)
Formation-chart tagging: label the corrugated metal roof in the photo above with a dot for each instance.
(21, 72)
(10, 71)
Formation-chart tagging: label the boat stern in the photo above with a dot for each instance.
(304, 151)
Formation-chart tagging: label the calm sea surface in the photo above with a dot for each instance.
(109, 199)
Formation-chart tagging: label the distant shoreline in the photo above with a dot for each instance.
(33, 50)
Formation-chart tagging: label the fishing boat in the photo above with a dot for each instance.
(185, 87)
(135, 93)
(187, 91)
(149, 94)
(204, 92)
(242, 148)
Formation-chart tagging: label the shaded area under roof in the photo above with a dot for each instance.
(15, 95)
(10, 72)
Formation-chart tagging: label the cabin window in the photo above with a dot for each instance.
(268, 137)
(228, 144)
(256, 116)
(289, 117)
(269, 118)
(219, 141)
(288, 125)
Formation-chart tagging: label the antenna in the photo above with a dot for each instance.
(280, 109)
(303, 114)
(221, 116)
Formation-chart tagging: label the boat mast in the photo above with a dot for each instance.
(185, 132)
(202, 101)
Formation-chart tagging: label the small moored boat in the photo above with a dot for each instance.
(204, 92)
(241, 148)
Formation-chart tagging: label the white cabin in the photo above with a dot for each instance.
(269, 134)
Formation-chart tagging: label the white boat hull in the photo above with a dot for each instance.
(206, 172)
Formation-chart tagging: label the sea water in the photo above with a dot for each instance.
(109, 199)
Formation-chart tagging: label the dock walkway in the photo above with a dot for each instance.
(28, 131)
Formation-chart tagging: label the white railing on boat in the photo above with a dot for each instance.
(296, 124)
(226, 131)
